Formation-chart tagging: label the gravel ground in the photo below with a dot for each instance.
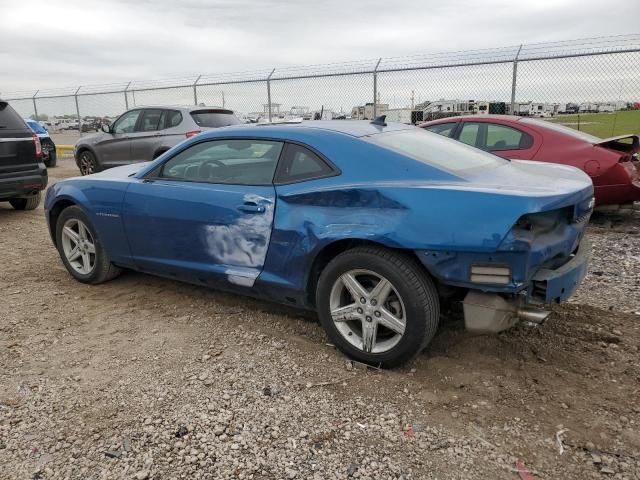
(147, 378)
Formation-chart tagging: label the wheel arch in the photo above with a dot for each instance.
(54, 214)
(335, 248)
(84, 148)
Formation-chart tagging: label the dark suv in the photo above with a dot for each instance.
(23, 174)
(144, 133)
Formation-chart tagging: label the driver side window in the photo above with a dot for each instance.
(127, 122)
(236, 162)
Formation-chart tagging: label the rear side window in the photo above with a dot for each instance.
(174, 118)
(501, 137)
(9, 119)
(150, 121)
(299, 163)
(444, 129)
(214, 118)
(493, 137)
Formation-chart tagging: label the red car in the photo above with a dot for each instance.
(611, 163)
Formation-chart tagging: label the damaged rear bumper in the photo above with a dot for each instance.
(559, 284)
(492, 312)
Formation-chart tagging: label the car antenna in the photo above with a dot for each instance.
(380, 121)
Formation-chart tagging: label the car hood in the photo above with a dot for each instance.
(90, 139)
(118, 173)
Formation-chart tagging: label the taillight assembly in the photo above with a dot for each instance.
(192, 133)
(38, 145)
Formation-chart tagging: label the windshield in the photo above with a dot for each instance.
(36, 127)
(214, 118)
(436, 150)
(563, 129)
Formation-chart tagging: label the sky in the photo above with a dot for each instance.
(54, 43)
(47, 44)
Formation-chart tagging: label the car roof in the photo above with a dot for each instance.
(354, 128)
(480, 117)
(188, 108)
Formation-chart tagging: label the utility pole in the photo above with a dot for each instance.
(35, 107)
(222, 98)
(126, 99)
(376, 96)
(269, 92)
(195, 91)
(513, 82)
(413, 98)
(78, 111)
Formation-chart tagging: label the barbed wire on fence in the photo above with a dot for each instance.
(545, 77)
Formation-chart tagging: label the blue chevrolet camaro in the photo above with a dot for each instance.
(369, 224)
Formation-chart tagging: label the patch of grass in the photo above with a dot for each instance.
(602, 125)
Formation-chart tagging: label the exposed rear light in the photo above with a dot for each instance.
(496, 274)
(192, 134)
(38, 145)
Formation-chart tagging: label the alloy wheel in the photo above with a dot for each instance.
(87, 166)
(367, 311)
(78, 246)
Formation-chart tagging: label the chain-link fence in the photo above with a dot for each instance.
(579, 78)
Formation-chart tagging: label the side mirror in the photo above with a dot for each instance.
(106, 128)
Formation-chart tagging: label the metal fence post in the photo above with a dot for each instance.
(78, 111)
(195, 91)
(126, 99)
(514, 81)
(269, 92)
(35, 107)
(375, 88)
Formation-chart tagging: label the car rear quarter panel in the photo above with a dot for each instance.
(423, 216)
(611, 180)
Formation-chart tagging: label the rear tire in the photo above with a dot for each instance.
(403, 319)
(27, 203)
(87, 163)
(81, 250)
(52, 161)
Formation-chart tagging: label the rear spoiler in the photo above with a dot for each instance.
(616, 143)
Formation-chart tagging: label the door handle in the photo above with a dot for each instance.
(251, 207)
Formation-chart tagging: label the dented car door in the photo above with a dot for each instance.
(206, 214)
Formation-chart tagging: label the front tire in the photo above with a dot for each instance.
(87, 163)
(378, 306)
(27, 203)
(80, 248)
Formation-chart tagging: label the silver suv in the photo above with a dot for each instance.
(144, 133)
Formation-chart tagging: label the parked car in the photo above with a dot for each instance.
(612, 163)
(48, 147)
(22, 174)
(143, 134)
(366, 223)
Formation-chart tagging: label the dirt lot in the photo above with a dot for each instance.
(148, 378)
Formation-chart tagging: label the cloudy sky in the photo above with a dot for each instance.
(56, 43)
